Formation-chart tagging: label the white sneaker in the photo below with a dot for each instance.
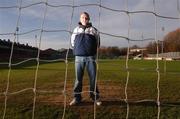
(98, 103)
(74, 102)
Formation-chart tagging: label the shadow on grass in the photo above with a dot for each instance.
(18, 65)
(123, 103)
(143, 103)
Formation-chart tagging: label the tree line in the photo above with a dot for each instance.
(170, 43)
(112, 52)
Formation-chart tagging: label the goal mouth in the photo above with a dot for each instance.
(135, 80)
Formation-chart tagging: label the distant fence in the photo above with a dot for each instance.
(172, 55)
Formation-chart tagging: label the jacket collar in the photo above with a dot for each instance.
(84, 27)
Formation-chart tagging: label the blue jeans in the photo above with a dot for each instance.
(82, 62)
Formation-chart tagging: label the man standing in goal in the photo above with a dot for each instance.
(85, 40)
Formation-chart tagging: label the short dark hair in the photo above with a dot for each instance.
(86, 14)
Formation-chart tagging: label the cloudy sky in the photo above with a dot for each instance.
(111, 22)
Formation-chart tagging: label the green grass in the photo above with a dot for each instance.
(112, 77)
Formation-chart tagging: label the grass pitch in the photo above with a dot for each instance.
(112, 77)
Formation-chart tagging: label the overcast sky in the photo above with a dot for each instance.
(111, 22)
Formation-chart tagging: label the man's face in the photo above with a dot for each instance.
(84, 19)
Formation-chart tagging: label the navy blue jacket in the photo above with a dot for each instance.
(85, 40)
